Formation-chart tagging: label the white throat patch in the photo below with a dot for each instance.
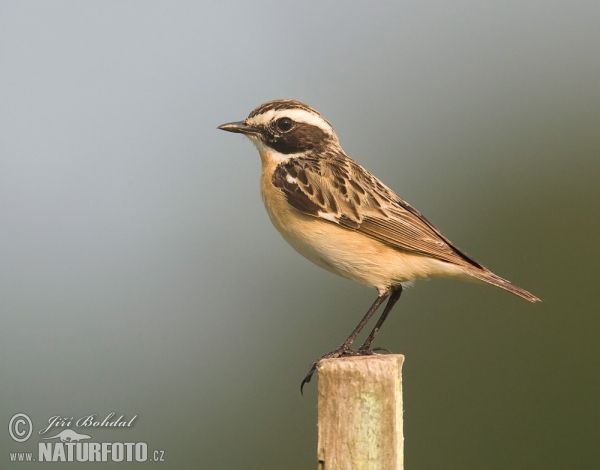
(268, 153)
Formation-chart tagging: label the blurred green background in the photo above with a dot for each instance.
(139, 272)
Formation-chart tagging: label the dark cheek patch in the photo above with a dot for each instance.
(301, 138)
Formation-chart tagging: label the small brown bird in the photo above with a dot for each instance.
(342, 218)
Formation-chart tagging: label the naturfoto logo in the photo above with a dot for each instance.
(65, 444)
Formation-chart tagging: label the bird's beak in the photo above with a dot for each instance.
(239, 127)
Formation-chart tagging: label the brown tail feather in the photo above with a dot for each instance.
(491, 278)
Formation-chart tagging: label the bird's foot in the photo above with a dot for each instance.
(342, 351)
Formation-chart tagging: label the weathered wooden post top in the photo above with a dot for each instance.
(360, 413)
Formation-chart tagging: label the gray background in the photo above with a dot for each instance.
(139, 272)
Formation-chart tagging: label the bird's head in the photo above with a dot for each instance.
(283, 128)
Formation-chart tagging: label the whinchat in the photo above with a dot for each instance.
(342, 218)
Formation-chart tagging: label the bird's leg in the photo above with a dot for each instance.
(395, 295)
(344, 349)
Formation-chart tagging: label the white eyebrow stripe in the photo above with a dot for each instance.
(296, 114)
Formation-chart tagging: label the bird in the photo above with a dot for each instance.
(336, 214)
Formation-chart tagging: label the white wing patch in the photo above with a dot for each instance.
(328, 216)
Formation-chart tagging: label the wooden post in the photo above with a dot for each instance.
(360, 413)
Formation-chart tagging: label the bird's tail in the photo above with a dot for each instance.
(491, 278)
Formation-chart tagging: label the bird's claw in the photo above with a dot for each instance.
(313, 368)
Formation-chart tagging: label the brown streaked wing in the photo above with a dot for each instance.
(338, 190)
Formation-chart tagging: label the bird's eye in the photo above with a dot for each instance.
(284, 124)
